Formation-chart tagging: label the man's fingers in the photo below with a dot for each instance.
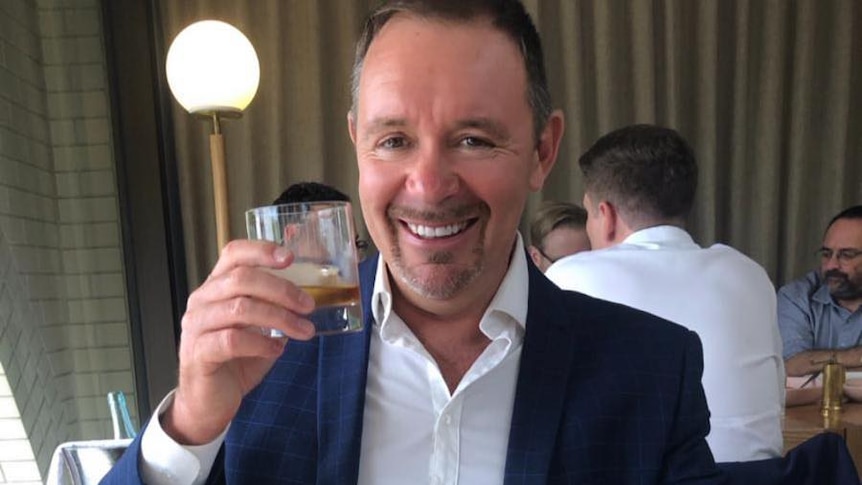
(243, 311)
(230, 344)
(245, 252)
(256, 283)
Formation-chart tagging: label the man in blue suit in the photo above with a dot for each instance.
(472, 368)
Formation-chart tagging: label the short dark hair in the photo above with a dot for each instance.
(509, 16)
(647, 172)
(551, 215)
(310, 192)
(854, 212)
(316, 192)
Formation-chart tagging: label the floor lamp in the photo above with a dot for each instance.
(213, 72)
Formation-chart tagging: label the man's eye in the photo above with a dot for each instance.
(475, 142)
(393, 142)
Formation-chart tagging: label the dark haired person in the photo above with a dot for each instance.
(318, 192)
(558, 229)
(639, 184)
(820, 314)
(310, 192)
(472, 367)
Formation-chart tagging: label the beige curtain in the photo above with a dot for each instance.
(769, 93)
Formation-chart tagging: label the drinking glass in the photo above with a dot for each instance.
(322, 238)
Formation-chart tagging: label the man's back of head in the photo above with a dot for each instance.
(636, 177)
(310, 192)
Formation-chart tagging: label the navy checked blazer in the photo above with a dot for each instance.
(605, 394)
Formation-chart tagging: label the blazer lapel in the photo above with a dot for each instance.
(545, 365)
(342, 374)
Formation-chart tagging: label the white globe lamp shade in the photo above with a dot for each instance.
(212, 68)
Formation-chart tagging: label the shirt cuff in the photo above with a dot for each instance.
(166, 462)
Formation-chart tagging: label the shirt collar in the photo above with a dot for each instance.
(660, 236)
(509, 303)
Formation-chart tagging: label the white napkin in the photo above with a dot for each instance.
(96, 464)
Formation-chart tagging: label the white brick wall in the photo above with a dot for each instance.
(17, 463)
(31, 416)
(64, 333)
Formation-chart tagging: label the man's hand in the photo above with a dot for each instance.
(225, 348)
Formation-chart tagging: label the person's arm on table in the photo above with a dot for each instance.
(223, 356)
(811, 361)
(797, 334)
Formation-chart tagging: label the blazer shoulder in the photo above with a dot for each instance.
(597, 313)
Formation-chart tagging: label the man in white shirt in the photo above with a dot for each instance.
(472, 368)
(640, 183)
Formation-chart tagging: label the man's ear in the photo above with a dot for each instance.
(535, 255)
(351, 126)
(546, 149)
(608, 221)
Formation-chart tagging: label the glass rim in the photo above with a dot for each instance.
(295, 207)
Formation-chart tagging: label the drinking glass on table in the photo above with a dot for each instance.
(322, 239)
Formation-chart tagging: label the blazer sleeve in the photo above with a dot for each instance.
(689, 459)
(126, 471)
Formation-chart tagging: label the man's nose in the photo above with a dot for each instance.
(432, 176)
(831, 262)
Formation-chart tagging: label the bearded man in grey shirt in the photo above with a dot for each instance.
(820, 314)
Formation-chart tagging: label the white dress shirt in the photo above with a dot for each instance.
(727, 299)
(414, 430)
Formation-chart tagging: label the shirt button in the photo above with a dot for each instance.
(448, 420)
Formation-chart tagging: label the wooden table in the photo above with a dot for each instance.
(803, 422)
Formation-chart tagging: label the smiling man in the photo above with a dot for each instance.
(472, 368)
(820, 314)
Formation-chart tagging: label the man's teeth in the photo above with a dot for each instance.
(440, 231)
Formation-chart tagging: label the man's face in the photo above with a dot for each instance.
(841, 260)
(446, 152)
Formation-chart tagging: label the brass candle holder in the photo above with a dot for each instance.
(833, 388)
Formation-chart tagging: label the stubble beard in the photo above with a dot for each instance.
(842, 287)
(445, 279)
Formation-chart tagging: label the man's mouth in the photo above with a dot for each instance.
(436, 232)
(835, 276)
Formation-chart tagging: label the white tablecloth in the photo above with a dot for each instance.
(96, 458)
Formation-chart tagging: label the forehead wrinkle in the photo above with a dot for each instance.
(379, 124)
(847, 248)
(496, 129)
